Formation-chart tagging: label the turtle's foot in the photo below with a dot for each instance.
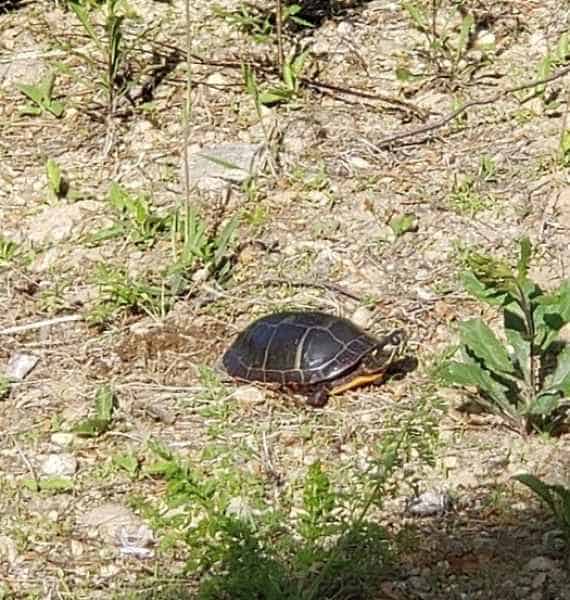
(318, 397)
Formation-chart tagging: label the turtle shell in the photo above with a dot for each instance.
(297, 348)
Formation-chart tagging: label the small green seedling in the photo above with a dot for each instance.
(103, 419)
(41, 96)
(8, 250)
(405, 223)
(526, 378)
(4, 387)
(57, 184)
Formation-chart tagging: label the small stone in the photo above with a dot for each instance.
(540, 563)
(249, 394)
(362, 317)
(62, 439)
(431, 502)
(20, 365)
(119, 526)
(54, 224)
(77, 549)
(425, 294)
(214, 166)
(538, 581)
(58, 464)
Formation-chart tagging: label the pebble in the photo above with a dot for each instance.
(540, 563)
(20, 365)
(249, 394)
(58, 464)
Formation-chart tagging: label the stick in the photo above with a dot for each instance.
(40, 324)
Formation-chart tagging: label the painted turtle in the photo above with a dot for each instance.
(311, 352)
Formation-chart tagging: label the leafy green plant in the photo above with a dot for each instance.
(41, 96)
(119, 293)
(135, 219)
(445, 48)
(557, 498)
(103, 419)
(526, 378)
(195, 245)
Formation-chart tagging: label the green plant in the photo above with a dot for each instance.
(4, 387)
(41, 96)
(557, 498)
(195, 245)
(526, 379)
(135, 219)
(8, 250)
(104, 406)
(555, 57)
(57, 185)
(404, 223)
(465, 197)
(119, 293)
(445, 47)
(111, 47)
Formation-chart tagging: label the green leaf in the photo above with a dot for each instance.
(560, 379)
(54, 177)
(524, 258)
(92, 427)
(464, 374)
(81, 14)
(52, 484)
(544, 404)
(33, 92)
(224, 239)
(477, 288)
(481, 340)
(104, 403)
(521, 351)
(403, 224)
(541, 489)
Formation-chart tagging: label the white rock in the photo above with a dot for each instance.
(119, 526)
(62, 439)
(362, 317)
(214, 166)
(58, 464)
(249, 394)
(20, 365)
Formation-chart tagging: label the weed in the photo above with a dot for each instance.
(103, 419)
(526, 380)
(41, 96)
(465, 199)
(446, 49)
(4, 387)
(119, 293)
(554, 58)
(8, 251)
(404, 223)
(487, 168)
(135, 219)
(194, 246)
(57, 185)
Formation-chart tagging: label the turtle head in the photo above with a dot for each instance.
(389, 349)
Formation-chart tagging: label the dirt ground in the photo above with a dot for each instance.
(369, 134)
